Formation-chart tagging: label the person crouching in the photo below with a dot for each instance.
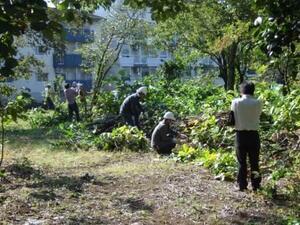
(163, 138)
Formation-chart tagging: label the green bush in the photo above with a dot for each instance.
(220, 162)
(39, 117)
(123, 138)
(187, 153)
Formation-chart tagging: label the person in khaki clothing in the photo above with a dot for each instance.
(163, 138)
(247, 110)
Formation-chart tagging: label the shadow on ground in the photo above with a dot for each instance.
(137, 204)
(33, 136)
(72, 183)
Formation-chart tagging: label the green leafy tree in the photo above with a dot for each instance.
(40, 24)
(121, 27)
(279, 25)
(217, 29)
(277, 34)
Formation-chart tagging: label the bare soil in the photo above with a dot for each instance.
(132, 188)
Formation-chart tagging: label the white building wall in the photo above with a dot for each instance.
(33, 83)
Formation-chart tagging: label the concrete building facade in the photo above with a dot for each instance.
(134, 61)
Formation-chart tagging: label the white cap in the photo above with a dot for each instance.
(169, 116)
(142, 90)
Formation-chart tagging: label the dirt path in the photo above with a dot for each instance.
(131, 189)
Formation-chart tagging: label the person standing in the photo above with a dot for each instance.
(163, 138)
(247, 110)
(70, 95)
(49, 96)
(82, 96)
(131, 107)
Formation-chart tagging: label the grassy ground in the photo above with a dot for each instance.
(64, 187)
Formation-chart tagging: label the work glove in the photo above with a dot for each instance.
(174, 140)
(183, 136)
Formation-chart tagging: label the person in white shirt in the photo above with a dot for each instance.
(246, 111)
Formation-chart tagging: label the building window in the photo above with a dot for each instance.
(41, 50)
(163, 54)
(145, 71)
(145, 51)
(59, 58)
(70, 74)
(152, 70)
(135, 71)
(135, 50)
(42, 77)
(125, 52)
(152, 53)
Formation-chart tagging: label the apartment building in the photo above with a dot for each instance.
(134, 61)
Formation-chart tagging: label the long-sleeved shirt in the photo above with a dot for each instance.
(247, 110)
(162, 134)
(70, 95)
(131, 106)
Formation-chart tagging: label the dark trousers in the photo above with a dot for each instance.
(73, 108)
(165, 149)
(131, 120)
(248, 145)
(49, 103)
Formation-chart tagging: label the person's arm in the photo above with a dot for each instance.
(179, 135)
(135, 106)
(231, 116)
(166, 134)
(232, 106)
(65, 94)
(260, 107)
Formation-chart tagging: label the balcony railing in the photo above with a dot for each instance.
(67, 61)
(137, 60)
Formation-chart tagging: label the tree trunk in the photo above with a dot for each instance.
(2, 138)
(231, 66)
(222, 64)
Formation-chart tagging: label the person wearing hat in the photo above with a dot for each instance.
(49, 95)
(131, 108)
(163, 138)
(74, 85)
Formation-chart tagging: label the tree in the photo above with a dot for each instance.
(279, 25)
(121, 27)
(278, 34)
(35, 19)
(215, 29)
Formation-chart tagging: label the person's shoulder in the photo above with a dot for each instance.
(236, 100)
(160, 124)
(258, 101)
(134, 95)
(130, 96)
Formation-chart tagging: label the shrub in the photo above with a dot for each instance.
(221, 163)
(123, 138)
(39, 117)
